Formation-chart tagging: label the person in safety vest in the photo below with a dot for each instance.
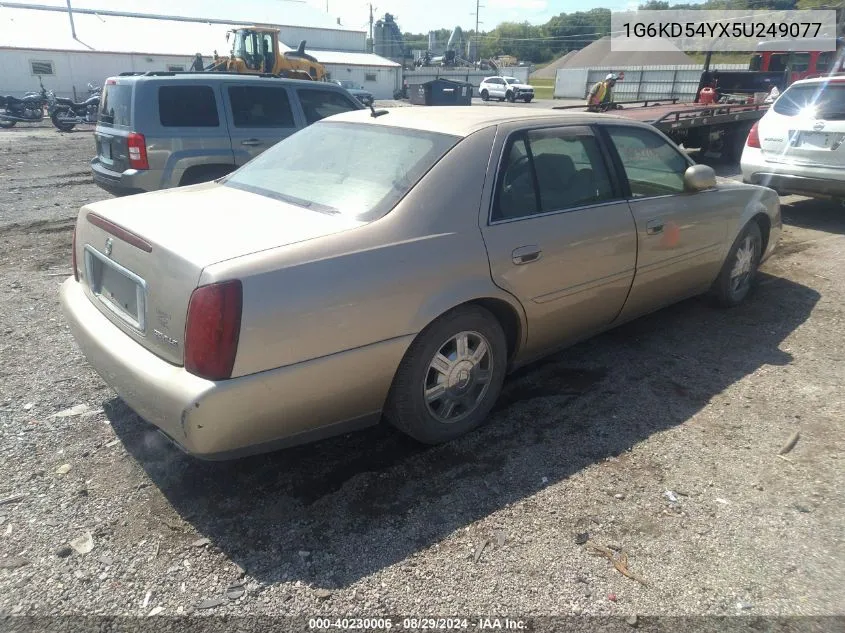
(601, 94)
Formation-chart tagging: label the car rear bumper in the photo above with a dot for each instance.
(124, 183)
(240, 416)
(799, 185)
(788, 178)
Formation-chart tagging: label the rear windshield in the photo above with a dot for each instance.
(116, 105)
(358, 170)
(821, 101)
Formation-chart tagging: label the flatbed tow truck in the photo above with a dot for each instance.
(711, 127)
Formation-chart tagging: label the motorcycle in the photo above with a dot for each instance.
(67, 114)
(26, 109)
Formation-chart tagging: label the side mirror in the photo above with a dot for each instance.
(699, 178)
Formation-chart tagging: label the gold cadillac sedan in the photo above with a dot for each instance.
(396, 264)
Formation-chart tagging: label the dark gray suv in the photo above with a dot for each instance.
(166, 129)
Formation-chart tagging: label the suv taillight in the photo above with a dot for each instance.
(73, 254)
(212, 329)
(753, 139)
(137, 151)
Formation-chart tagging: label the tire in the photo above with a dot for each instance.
(485, 96)
(736, 279)
(527, 99)
(509, 96)
(463, 405)
(5, 123)
(60, 125)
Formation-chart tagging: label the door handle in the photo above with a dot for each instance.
(653, 227)
(526, 254)
(252, 141)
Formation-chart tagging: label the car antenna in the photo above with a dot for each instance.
(376, 113)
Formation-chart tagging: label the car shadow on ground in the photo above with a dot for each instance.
(820, 215)
(361, 502)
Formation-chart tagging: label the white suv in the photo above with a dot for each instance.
(502, 88)
(798, 147)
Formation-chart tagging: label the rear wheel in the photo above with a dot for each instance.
(509, 96)
(60, 123)
(450, 377)
(736, 278)
(5, 123)
(485, 95)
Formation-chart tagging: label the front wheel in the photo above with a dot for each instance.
(60, 123)
(527, 99)
(485, 95)
(736, 278)
(450, 377)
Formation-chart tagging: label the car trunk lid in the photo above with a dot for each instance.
(142, 256)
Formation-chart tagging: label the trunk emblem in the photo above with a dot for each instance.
(109, 245)
(818, 126)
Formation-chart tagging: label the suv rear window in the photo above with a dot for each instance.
(116, 105)
(260, 106)
(318, 104)
(187, 106)
(824, 100)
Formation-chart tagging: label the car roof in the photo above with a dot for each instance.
(205, 77)
(465, 120)
(827, 79)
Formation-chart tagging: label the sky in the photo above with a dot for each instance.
(420, 16)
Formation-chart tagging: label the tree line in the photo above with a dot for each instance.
(573, 31)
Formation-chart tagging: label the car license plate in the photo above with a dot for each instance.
(105, 151)
(118, 288)
(818, 140)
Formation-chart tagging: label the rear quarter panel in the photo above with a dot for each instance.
(381, 281)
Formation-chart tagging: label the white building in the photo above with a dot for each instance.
(69, 49)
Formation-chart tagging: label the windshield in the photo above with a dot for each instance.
(359, 170)
(345, 83)
(820, 101)
(511, 80)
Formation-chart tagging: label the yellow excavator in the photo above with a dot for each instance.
(255, 50)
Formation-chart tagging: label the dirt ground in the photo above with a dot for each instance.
(660, 438)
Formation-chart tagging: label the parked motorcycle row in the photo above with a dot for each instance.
(65, 114)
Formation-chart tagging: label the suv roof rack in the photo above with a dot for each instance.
(172, 73)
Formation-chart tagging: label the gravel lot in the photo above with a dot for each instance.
(660, 438)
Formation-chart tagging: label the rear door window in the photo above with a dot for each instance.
(319, 104)
(187, 106)
(260, 107)
(552, 169)
(116, 105)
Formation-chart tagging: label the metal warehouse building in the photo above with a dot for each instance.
(94, 39)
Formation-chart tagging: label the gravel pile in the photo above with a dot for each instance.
(658, 441)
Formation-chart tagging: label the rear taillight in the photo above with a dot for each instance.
(73, 255)
(137, 151)
(212, 329)
(753, 139)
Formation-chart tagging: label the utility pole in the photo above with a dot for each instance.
(372, 41)
(478, 6)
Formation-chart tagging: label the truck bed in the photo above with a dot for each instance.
(672, 116)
